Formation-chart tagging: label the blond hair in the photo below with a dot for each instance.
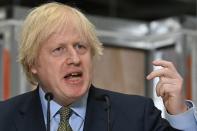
(45, 20)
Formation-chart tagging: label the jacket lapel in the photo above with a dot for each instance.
(96, 113)
(30, 116)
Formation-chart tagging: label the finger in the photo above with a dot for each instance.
(158, 88)
(159, 73)
(165, 64)
(165, 90)
(165, 98)
(163, 81)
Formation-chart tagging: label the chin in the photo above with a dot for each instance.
(78, 91)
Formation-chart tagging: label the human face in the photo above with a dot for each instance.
(64, 66)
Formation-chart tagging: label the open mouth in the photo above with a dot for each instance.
(73, 75)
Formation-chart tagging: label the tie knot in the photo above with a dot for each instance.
(65, 113)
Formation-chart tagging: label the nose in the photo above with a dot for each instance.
(72, 57)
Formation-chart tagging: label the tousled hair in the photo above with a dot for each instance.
(42, 22)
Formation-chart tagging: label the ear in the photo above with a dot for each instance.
(33, 69)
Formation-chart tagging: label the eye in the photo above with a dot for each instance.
(58, 51)
(81, 48)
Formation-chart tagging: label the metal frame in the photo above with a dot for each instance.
(191, 36)
(10, 31)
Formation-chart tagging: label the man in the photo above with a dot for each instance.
(57, 47)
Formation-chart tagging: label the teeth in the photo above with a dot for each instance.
(74, 74)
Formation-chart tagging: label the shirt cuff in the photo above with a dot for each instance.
(186, 121)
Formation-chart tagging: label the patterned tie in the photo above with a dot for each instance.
(65, 113)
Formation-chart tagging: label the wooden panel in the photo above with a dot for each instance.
(121, 70)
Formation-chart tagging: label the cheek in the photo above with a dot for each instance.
(89, 67)
(88, 63)
(49, 68)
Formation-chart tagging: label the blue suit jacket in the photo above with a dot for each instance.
(128, 113)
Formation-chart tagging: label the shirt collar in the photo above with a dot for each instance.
(79, 107)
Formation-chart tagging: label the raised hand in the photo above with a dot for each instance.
(169, 86)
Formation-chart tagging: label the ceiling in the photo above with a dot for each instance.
(146, 10)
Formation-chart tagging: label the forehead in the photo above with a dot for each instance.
(65, 36)
(64, 32)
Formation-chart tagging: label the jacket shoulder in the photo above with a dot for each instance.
(135, 110)
(12, 104)
(120, 97)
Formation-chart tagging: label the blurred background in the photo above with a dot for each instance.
(134, 33)
(147, 10)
